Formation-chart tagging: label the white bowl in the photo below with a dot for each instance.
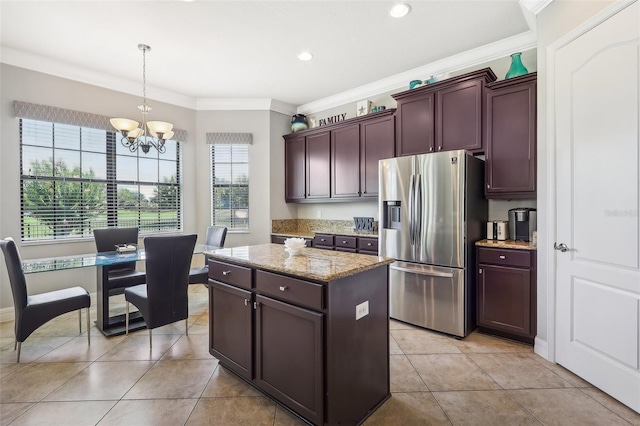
(295, 243)
(294, 251)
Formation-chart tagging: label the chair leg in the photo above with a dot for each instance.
(126, 320)
(15, 344)
(89, 326)
(19, 348)
(150, 340)
(186, 326)
(80, 320)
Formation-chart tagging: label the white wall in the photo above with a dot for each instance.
(29, 86)
(556, 20)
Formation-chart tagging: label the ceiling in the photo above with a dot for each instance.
(247, 49)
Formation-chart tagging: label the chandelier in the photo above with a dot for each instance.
(150, 133)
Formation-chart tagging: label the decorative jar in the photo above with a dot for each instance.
(516, 68)
(299, 122)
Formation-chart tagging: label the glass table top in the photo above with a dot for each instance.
(59, 263)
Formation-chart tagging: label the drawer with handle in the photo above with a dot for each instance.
(368, 245)
(230, 274)
(323, 240)
(345, 242)
(289, 289)
(505, 257)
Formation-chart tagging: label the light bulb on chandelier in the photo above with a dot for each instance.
(134, 137)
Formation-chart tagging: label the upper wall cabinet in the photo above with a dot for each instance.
(338, 162)
(443, 116)
(510, 160)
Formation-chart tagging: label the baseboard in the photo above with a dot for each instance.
(7, 314)
(541, 347)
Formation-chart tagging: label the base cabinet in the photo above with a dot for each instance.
(299, 341)
(506, 292)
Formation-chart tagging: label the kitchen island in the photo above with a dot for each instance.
(309, 331)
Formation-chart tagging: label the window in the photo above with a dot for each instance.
(230, 186)
(74, 179)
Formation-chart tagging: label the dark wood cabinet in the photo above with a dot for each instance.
(506, 292)
(279, 239)
(346, 243)
(510, 161)
(286, 333)
(345, 158)
(299, 342)
(295, 168)
(231, 325)
(376, 143)
(318, 165)
(443, 116)
(459, 116)
(340, 161)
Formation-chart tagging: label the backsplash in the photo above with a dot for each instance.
(310, 226)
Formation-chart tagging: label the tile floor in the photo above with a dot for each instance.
(435, 379)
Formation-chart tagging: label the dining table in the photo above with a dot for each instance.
(109, 325)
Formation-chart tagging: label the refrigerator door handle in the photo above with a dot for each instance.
(418, 216)
(420, 272)
(412, 207)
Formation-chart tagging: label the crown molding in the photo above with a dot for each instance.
(535, 6)
(244, 104)
(50, 66)
(470, 58)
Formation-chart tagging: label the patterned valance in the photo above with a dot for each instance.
(230, 138)
(74, 118)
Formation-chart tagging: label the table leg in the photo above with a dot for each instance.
(112, 326)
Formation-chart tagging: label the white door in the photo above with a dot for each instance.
(597, 110)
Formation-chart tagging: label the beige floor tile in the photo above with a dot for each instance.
(394, 348)
(9, 412)
(156, 412)
(404, 378)
(65, 413)
(136, 347)
(450, 372)
(7, 329)
(194, 346)
(6, 369)
(517, 371)
(199, 329)
(254, 410)
(33, 348)
(223, 383)
(423, 342)
(565, 407)
(414, 408)
(175, 327)
(77, 348)
(6, 342)
(174, 379)
(483, 408)
(36, 381)
(565, 374)
(101, 381)
(399, 325)
(614, 405)
(285, 418)
(481, 343)
(61, 327)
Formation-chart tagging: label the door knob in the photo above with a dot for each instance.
(561, 247)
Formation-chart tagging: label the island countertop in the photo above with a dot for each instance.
(312, 264)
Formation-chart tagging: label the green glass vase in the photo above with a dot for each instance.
(516, 68)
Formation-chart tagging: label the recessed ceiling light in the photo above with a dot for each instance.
(305, 56)
(399, 10)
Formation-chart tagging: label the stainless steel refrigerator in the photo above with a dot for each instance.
(432, 210)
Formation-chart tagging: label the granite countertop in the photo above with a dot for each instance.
(510, 244)
(311, 234)
(312, 264)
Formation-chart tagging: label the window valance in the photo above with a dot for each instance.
(75, 118)
(229, 138)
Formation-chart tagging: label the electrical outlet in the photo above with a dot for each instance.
(319, 214)
(362, 310)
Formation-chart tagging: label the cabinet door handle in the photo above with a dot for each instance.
(440, 148)
(369, 244)
(430, 148)
(488, 186)
(255, 305)
(479, 271)
(503, 257)
(225, 273)
(344, 242)
(283, 287)
(322, 239)
(246, 302)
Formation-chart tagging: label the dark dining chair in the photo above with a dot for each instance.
(215, 237)
(121, 275)
(33, 311)
(163, 299)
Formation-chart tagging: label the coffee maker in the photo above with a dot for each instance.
(522, 223)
